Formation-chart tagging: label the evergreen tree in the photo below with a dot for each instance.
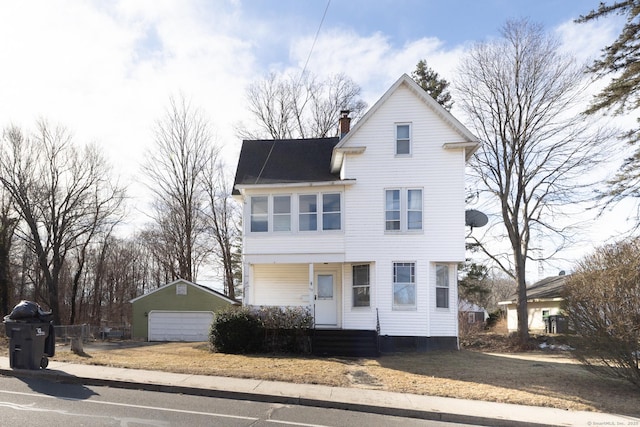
(622, 93)
(431, 82)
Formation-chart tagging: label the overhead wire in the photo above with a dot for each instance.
(304, 69)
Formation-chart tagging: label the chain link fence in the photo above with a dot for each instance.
(64, 333)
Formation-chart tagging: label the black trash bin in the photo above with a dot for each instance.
(31, 336)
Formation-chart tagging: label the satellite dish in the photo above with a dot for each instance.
(474, 218)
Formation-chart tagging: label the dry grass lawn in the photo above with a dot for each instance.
(533, 378)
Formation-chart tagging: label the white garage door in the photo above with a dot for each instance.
(179, 325)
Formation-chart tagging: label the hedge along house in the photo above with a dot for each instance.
(365, 230)
(178, 311)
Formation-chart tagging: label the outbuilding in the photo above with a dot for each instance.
(178, 311)
(544, 306)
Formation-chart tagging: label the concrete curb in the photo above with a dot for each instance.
(370, 401)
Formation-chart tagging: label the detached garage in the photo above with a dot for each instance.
(178, 311)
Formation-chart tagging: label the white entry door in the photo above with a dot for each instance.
(326, 301)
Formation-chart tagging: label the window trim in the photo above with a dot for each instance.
(447, 287)
(252, 215)
(355, 286)
(409, 140)
(404, 211)
(414, 283)
(282, 215)
(310, 213)
(295, 214)
(338, 212)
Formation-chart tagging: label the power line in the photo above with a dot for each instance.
(313, 45)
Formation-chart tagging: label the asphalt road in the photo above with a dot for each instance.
(40, 403)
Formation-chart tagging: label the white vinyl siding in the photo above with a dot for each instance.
(439, 173)
(363, 238)
(280, 284)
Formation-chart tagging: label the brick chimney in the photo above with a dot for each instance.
(344, 123)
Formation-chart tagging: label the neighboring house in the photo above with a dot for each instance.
(472, 314)
(177, 311)
(366, 230)
(544, 300)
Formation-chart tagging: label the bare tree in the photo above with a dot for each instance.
(175, 167)
(8, 223)
(519, 93)
(300, 106)
(223, 218)
(63, 193)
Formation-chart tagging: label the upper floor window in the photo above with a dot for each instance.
(290, 212)
(414, 209)
(259, 213)
(281, 213)
(392, 210)
(331, 217)
(308, 212)
(442, 286)
(404, 284)
(329, 210)
(403, 209)
(403, 139)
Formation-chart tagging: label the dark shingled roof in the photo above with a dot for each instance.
(285, 161)
(548, 288)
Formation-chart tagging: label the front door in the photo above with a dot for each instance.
(326, 301)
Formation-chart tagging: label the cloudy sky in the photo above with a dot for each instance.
(106, 69)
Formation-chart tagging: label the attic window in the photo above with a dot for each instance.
(181, 289)
(403, 139)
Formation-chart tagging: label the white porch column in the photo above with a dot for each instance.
(246, 280)
(311, 289)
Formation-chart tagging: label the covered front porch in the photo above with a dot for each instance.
(318, 286)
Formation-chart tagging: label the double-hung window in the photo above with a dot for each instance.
(403, 139)
(392, 210)
(308, 212)
(259, 214)
(404, 285)
(403, 209)
(442, 286)
(281, 213)
(331, 211)
(361, 286)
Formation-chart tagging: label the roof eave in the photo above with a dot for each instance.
(337, 157)
(468, 147)
(243, 187)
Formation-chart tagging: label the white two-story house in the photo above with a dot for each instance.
(367, 229)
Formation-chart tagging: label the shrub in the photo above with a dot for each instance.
(602, 301)
(263, 329)
(236, 330)
(286, 329)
